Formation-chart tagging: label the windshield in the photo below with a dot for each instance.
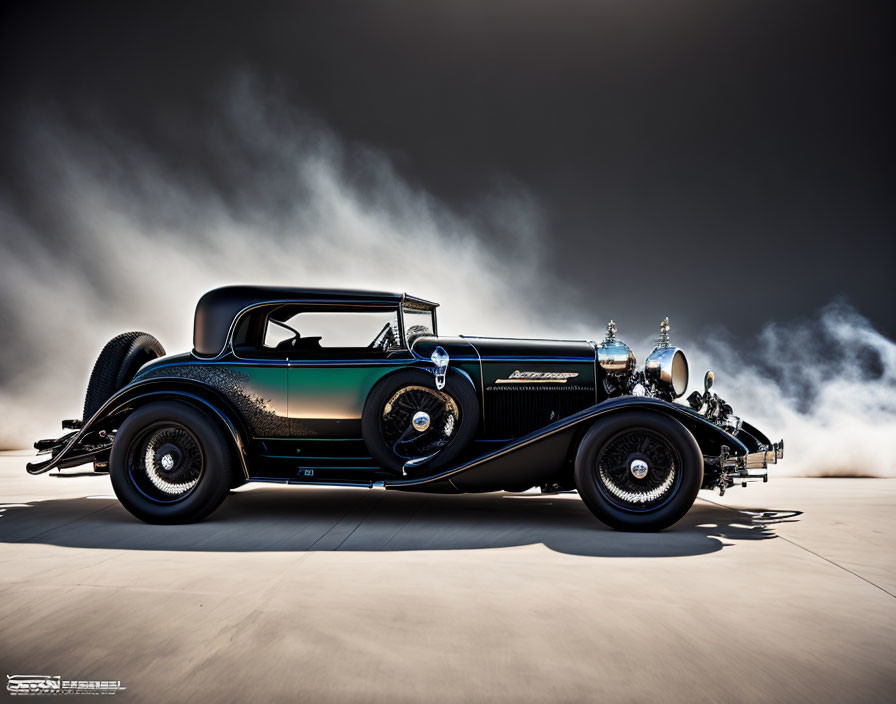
(417, 322)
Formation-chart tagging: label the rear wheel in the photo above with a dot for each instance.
(116, 366)
(170, 463)
(639, 471)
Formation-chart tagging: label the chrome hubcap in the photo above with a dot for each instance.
(420, 421)
(171, 461)
(638, 469)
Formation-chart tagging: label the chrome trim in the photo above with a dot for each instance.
(428, 305)
(530, 377)
(762, 458)
(401, 326)
(737, 469)
(664, 333)
(440, 359)
(732, 423)
(420, 421)
(416, 462)
(614, 356)
(639, 469)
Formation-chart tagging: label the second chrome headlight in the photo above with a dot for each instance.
(667, 367)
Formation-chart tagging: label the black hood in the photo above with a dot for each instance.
(506, 348)
(513, 347)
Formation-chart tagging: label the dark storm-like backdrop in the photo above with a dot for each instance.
(727, 164)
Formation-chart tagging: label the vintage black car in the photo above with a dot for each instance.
(357, 388)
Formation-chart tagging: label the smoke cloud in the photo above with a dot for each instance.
(120, 239)
(127, 243)
(827, 385)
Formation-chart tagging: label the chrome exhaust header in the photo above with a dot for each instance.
(765, 457)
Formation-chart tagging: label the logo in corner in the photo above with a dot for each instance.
(33, 685)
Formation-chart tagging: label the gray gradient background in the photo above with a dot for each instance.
(538, 167)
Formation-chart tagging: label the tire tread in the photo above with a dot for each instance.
(107, 375)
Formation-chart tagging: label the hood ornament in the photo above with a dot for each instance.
(664, 334)
(611, 331)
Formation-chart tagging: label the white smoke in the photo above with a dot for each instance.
(136, 246)
(826, 385)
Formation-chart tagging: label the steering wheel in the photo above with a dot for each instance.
(286, 344)
(384, 339)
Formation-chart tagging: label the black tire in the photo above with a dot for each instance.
(116, 366)
(457, 388)
(606, 466)
(201, 471)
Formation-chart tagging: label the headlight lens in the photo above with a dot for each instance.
(667, 368)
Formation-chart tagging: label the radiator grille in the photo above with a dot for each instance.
(512, 411)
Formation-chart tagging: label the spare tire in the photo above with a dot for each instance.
(407, 418)
(116, 366)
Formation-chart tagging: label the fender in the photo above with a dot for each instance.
(137, 394)
(753, 438)
(538, 456)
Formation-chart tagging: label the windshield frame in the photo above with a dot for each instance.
(415, 308)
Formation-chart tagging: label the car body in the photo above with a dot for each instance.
(380, 399)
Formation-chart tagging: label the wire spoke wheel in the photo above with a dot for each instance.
(637, 469)
(165, 462)
(418, 421)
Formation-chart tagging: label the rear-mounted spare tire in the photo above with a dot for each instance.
(116, 366)
(406, 418)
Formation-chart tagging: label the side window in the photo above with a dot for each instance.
(313, 330)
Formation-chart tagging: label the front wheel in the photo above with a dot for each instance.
(639, 471)
(170, 463)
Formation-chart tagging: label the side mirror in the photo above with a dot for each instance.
(707, 380)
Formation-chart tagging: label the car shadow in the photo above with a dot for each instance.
(269, 518)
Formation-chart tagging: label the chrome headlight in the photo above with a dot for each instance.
(614, 356)
(667, 367)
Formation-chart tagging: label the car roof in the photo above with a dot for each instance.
(217, 309)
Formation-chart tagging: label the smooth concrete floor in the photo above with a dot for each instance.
(782, 592)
